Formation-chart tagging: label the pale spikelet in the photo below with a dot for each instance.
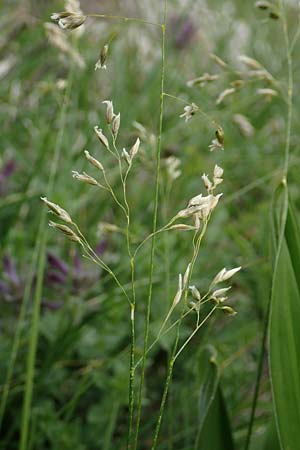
(217, 179)
(186, 276)
(207, 183)
(225, 94)
(93, 161)
(210, 201)
(218, 60)
(126, 156)
(67, 231)
(189, 111)
(59, 40)
(267, 93)
(181, 227)
(244, 125)
(102, 138)
(218, 171)
(251, 63)
(218, 143)
(261, 74)
(106, 227)
(100, 64)
(220, 292)
(201, 81)
(109, 111)
(68, 20)
(116, 125)
(215, 145)
(206, 204)
(172, 165)
(263, 5)
(195, 293)
(84, 178)
(228, 310)
(188, 212)
(178, 295)
(224, 275)
(56, 209)
(135, 148)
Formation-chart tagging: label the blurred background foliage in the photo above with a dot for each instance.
(81, 380)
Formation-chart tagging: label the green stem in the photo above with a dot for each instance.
(156, 195)
(124, 19)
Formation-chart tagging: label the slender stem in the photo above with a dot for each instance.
(33, 339)
(290, 90)
(124, 19)
(199, 325)
(156, 195)
(181, 100)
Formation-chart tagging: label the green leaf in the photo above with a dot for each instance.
(213, 423)
(284, 335)
(216, 432)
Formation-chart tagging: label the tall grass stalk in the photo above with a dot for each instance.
(154, 226)
(42, 242)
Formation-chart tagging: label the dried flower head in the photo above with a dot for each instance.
(245, 127)
(195, 293)
(201, 81)
(109, 111)
(267, 93)
(224, 275)
(225, 94)
(116, 124)
(218, 60)
(100, 64)
(207, 183)
(206, 204)
(186, 276)
(172, 166)
(228, 310)
(85, 178)
(67, 231)
(218, 143)
(251, 63)
(93, 161)
(263, 5)
(179, 292)
(126, 156)
(135, 148)
(56, 209)
(189, 111)
(102, 138)
(68, 20)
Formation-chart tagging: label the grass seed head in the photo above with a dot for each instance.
(57, 210)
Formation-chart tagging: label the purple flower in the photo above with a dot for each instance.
(5, 173)
(184, 32)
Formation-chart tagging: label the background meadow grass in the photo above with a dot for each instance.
(80, 395)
